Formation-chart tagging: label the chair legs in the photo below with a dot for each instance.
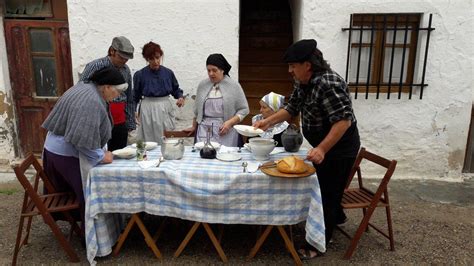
(390, 229)
(28, 227)
(364, 225)
(18, 243)
(60, 237)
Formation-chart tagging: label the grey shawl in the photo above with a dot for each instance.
(81, 115)
(232, 95)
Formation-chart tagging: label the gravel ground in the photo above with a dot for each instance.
(433, 223)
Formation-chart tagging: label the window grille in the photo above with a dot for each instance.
(381, 53)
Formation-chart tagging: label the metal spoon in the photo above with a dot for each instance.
(244, 165)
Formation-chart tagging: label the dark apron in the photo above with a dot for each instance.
(347, 147)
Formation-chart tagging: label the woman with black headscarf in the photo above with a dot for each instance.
(220, 104)
(79, 127)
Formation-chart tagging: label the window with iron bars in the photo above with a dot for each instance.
(382, 54)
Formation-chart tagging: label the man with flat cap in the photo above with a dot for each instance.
(123, 107)
(329, 124)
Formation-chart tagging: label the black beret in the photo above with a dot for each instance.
(108, 76)
(219, 61)
(300, 51)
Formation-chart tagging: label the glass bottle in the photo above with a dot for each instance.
(208, 151)
(141, 150)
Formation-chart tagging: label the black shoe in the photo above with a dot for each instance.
(342, 221)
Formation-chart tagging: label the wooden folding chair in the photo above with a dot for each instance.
(36, 203)
(367, 200)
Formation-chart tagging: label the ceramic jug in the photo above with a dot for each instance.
(291, 138)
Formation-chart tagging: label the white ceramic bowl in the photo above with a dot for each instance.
(248, 131)
(149, 145)
(261, 148)
(199, 145)
(125, 153)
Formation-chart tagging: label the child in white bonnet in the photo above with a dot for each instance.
(270, 104)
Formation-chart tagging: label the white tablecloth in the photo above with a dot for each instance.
(197, 189)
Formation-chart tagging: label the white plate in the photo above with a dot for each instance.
(228, 157)
(248, 131)
(199, 145)
(125, 153)
(149, 145)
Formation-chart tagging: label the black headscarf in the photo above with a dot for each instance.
(107, 76)
(219, 61)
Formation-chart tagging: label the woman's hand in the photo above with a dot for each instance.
(108, 157)
(262, 124)
(316, 155)
(225, 127)
(190, 130)
(180, 102)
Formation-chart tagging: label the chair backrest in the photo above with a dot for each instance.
(177, 134)
(189, 139)
(374, 158)
(32, 186)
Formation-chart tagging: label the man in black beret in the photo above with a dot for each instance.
(329, 125)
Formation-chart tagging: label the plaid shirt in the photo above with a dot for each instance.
(126, 96)
(324, 101)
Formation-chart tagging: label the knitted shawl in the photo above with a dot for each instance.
(232, 95)
(81, 116)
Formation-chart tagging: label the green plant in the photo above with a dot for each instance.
(8, 191)
(140, 144)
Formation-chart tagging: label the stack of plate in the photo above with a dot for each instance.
(125, 153)
(248, 131)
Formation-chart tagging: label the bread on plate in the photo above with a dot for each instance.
(291, 165)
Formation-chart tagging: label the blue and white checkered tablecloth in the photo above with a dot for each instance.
(197, 189)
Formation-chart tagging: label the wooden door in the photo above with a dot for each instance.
(265, 34)
(39, 60)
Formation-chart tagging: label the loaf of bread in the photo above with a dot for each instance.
(291, 165)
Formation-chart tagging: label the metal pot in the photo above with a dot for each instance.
(172, 149)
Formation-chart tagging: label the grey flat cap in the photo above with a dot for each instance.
(123, 46)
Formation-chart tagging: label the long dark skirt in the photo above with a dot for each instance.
(65, 175)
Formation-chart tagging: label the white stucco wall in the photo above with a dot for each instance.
(7, 151)
(427, 137)
(188, 31)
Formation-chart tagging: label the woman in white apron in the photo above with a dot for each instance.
(152, 86)
(220, 104)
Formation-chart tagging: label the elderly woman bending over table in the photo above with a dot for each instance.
(79, 127)
(220, 104)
